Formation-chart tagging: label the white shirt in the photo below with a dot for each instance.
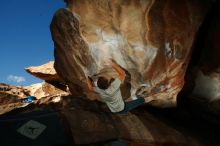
(112, 96)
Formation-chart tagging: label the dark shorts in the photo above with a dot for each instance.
(132, 105)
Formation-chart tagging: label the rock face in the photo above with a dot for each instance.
(139, 128)
(149, 41)
(45, 72)
(10, 96)
(10, 93)
(44, 89)
(207, 69)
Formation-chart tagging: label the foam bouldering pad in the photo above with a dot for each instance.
(52, 133)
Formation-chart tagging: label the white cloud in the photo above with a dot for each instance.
(17, 79)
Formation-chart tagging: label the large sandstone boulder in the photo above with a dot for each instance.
(11, 96)
(9, 93)
(44, 89)
(150, 41)
(207, 68)
(138, 128)
(45, 72)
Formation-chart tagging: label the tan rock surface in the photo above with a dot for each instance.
(89, 122)
(45, 72)
(9, 93)
(150, 40)
(44, 89)
(10, 96)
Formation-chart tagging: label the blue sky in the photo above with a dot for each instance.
(25, 37)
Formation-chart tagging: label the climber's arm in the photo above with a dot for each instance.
(120, 71)
(89, 84)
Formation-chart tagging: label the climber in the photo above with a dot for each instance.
(108, 87)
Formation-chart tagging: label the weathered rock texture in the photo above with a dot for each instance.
(88, 122)
(10, 96)
(10, 93)
(91, 123)
(207, 69)
(45, 72)
(140, 129)
(44, 89)
(150, 40)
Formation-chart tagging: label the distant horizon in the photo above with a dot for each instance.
(25, 38)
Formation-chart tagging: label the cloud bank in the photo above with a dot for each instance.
(17, 79)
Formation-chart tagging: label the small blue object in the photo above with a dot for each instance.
(132, 105)
(29, 99)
